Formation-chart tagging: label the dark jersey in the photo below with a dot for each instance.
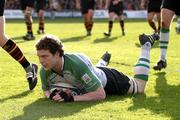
(173, 5)
(2, 3)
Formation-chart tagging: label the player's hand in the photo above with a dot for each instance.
(57, 98)
(55, 95)
(67, 97)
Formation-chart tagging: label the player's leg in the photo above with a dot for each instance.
(52, 9)
(121, 22)
(158, 15)
(40, 6)
(2, 21)
(87, 10)
(141, 69)
(27, 10)
(104, 61)
(110, 23)
(120, 13)
(150, 18)
(12, 49)
(90, 21)
(167, 16)
(86, 23)
(41, 22)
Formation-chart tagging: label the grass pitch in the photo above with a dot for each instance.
(161, 101)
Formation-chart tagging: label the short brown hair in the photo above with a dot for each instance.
(51, 43)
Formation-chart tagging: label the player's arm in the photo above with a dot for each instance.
(92, 86)
(98, 94)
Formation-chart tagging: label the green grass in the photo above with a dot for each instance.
(161, 101)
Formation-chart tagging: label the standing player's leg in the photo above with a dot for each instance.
(110, 23)
(40, 6)
(151, 22)
(120, 13)
(12, 49)
(52, 9)
(167, 16)
(158, 15)
(89, 21)
(87, 10)
(27, 6)
(121, 22)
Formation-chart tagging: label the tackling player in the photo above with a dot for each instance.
(14, 51)
(78, 71)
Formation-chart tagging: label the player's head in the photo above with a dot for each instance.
(51, 43)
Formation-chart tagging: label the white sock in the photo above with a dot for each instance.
(141, 69)
(101, 63)
(163, 43)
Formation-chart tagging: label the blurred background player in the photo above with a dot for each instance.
(27, 7)
(168, 10)
(14, 51)
(153, 10)
(52, 9)
(115, 8)
(54, 5)
(87, 9)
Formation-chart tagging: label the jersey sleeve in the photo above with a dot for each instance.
(90, 80)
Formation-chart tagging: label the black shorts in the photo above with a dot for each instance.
(40, 5)
(87, 5)
(173, 5)
(26, 3)
(154, 6)
(118, 8)
(117, 82)
(2, 7)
